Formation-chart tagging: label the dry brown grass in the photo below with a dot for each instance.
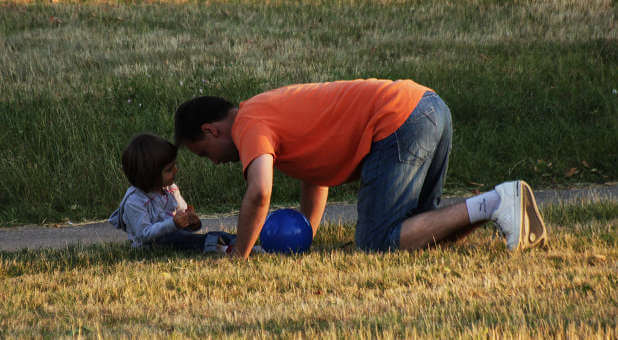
(474, 289)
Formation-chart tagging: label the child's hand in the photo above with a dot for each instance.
(182, 220)
(187, 220)
(194, 220)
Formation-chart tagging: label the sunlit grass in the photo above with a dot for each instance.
(474, 288)
(531, 85)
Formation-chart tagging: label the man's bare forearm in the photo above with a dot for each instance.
(312, 203)
(255, 203)
(253, 211)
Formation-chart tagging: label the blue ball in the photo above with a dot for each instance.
(286, 231)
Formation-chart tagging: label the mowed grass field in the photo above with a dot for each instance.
(531, 85)
(474, 289)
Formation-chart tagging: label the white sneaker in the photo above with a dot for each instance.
(518, 217)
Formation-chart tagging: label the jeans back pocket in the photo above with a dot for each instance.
(418, 137)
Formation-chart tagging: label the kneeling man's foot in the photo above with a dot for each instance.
(518, 216)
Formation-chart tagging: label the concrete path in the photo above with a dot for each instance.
(33, 236)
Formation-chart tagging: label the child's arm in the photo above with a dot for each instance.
(185, 216)
(182, 205)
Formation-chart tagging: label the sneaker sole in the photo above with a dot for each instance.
(533, 232)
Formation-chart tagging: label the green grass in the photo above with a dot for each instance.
(471, 289)
(531, 85)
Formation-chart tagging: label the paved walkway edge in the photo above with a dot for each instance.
(34, 237)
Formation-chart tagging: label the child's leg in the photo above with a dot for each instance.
(219, 241)
(183, 240)
(215, 240)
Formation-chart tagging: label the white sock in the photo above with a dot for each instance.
(481, 207)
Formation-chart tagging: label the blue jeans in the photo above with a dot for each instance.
(403, 174)
(185, 240)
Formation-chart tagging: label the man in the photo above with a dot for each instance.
(393, 135)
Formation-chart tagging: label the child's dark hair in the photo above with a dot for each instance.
(192, 114)
(144, 159)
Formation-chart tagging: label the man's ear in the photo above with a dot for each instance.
(208, 128)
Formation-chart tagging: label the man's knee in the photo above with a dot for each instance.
(379, 239)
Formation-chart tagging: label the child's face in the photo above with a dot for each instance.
(168, 174)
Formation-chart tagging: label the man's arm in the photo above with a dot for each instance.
(255, 203)
(312, 202)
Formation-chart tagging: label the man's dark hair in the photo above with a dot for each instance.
(144, 159)
(192, 114)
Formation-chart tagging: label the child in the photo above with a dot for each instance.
(152, 210)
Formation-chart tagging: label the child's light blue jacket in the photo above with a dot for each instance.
(145, 216)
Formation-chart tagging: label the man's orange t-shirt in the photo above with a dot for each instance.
(321, 132)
